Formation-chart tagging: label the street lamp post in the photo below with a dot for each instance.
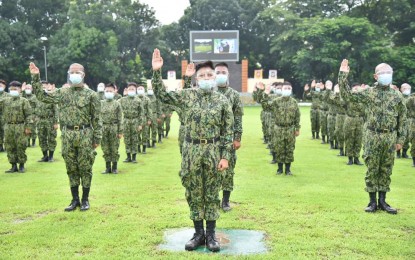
(44, 52)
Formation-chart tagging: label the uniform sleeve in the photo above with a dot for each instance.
(264, 99)
(27, 112)
(120, 119)
(187, 82)
(346, 93)
(238, 112)
(149, 110)
(255, 95)
(402, 123)
(41, 95)
(171, 98)
(96, 118)
(227, 131)
(55, 114)
(297, 117)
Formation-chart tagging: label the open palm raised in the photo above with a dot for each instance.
(157, 61)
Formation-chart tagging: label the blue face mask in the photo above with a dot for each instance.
(221, 80)
(286, 92)
(14, 93)
(131, 93)
(278, 91)
(109, 95)
(75, 78)
(206, 84)
(385, 79)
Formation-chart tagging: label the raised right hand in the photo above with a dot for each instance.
(190, 70)
(157, 61)
(33, 69)
(344, 67)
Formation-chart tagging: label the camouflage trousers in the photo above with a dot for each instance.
(131, 134)
(339, 132)
(411, 135)
(33, 135)
(379, 156)
(79, 155)
(15, 142)
(1, 130)
(284, 144)
(267, 118)
(167, 121)
(143, 135)
(331, 127)
(323, 122)
(227, 181)
(152, 129)
(47, 135)
(202, 180)
(315, 120)
(110, 142)
(353, 133)
(181, 136)
(271, 133)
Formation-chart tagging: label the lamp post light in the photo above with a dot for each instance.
(44, 39)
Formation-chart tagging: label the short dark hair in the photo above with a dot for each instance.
(355, 84)
(222, 64)
(3, 82)
(132, 84)
(286, 83)
(15, 84)
(110, 85)
(206, 64)
(44, 82)
(276, 84)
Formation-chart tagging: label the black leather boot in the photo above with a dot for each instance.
(323, 139)
(115, 167)
(153, 145)
(288, 169)
(13, 168)
(160, 139)
(128, 158)
(34, 142)
(350, 162)
(317, 135)
(45, 157)
(107, 168)
(341, 152)
(279, 171)
(75, 199)
(134, 158)
(22, 168)
(357, 162)
(85, 201)
(198, 238)
(413, 161)
(50, 159)
(274, 158)
(404, 153)
(371, 207)
(385, 206)
(398, 154)
(211, 243)
(1, 148)
(144, 149)
(225, 200)
(332, 145)
(313, 135)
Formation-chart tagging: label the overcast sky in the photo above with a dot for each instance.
(168, 11)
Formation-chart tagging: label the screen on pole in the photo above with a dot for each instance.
(214, 45)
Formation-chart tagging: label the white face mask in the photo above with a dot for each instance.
(406, 92)
(14, 93)
(206, 84)
(140, 92)
(286, 92)
(1, 89)
(278, 91)
(131, 93)
(100, 88)
(28, 91)
(150, 92)
(109, 95)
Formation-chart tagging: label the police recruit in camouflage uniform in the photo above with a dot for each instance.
(207, 147)
(385, 130)
(80, 120)
(3, 94)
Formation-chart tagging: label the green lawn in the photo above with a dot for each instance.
(317, 213)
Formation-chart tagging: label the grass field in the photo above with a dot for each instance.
(317, 213)
(203, 48)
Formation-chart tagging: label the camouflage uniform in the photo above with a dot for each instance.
(155, 109)
(33, 104)
(405, 146)
(262, 116)
(234, 100)
(410, 104)
(143, 136)
(353, 129)
(323, 114)
(3, 95)
(315, 109)
(386, 120)
(168, 111)
(134, 117)
(48, 117)
(80, 122)
(17, 116)
(340, 117)
(209, 135)
(331, 116)
(112, 126)
(101, 95)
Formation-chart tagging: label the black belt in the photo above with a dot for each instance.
(15, 123)
(202, 141)
(77, 127)
(381, 131)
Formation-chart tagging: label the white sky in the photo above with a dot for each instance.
(168, 11)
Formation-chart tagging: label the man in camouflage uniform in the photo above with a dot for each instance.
(287, 125)
(340, 117)
(324, 112)
(168, 111)
(222, 81)
(353, 128)
(331, 116)
(276, 91)
(410, 105)
(47, 126)
(207, 146)
(17, 116)
(27, 92)
(160, 120)
(385, 127)
(313, 93)
(406, 93)
(134, 120)
(3, 94)
(112, 129)
(143, 137)
(155, 108)
(80, 121)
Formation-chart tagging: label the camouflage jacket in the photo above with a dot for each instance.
(47, 111)
(340, 104)
(111, 113)
(237, 109)
(314, 96)
(16, 110)
(133, 108)
(208, 114)
(77, 106)
(385, 108)
(3, 95)
(155, 107)
(355, 109)
(410, 106)
(148, 113)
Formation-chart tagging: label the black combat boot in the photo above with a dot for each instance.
(274, 158)
(139, 149)
(341, 152)
(385, 206)
(332, 145)
(211, 243)
(357, 162)
(350, 162)
(13, 168)
(398, 154)
(198, 238)
(107, 168)
(75, 199)
(128, 158)
(114, 167)
(144, 149)
(288, 169)
(317, 135)
(159, 141)
(22, 168)
(153, 145)
(371, 207)
(45, 157)
(134, 159)
(167, 133)
(1, 148)
(413, 161)
(50, 159)
(34, 142)
(85, 201)
(279, 171)
(225, 200)
(314, 135)
(404, 153)
(323, 139)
